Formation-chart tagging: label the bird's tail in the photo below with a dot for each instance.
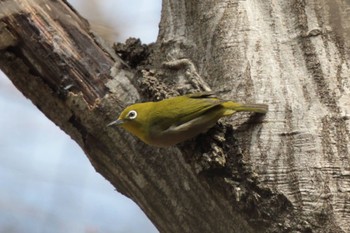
(260, 108)
(236, 107)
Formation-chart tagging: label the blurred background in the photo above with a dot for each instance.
(46, 182)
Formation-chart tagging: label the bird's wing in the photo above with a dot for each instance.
(184, 110)
(207, 94)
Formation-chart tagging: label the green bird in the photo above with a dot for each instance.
(170, 121)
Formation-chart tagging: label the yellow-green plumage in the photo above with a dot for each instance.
(173, 120)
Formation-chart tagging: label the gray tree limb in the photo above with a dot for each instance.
(286, 172)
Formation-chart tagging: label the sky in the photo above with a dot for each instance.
(47, 184)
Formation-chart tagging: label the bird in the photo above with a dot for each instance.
(171, 121)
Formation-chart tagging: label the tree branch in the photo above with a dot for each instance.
(249, 177)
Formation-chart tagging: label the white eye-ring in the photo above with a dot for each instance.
(131, 115)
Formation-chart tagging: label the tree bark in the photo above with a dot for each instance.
(286, 172)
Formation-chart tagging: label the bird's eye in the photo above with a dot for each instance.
(132, 114)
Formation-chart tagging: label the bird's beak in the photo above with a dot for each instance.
(116, 122)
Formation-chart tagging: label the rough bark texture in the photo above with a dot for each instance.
(286, 172)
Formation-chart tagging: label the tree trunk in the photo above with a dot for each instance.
(286, 172)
